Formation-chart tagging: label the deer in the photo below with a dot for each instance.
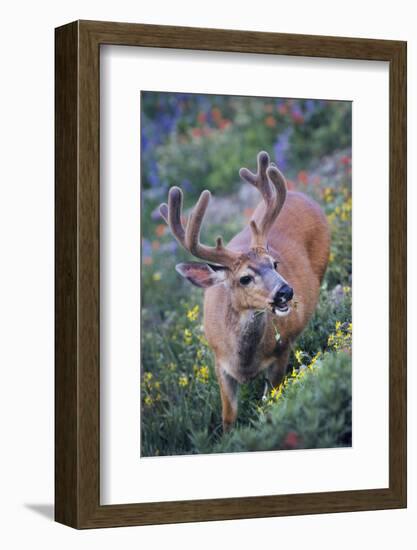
(261, 289)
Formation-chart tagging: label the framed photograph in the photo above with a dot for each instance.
(230, 274)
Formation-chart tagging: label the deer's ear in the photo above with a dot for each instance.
(202, 275)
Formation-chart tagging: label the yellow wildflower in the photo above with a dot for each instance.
(192, 314)
(183, 381)
(148, 400)
(187, 336)
(203, 374)
(277, 392)
(299, 356)
(328, 194)
(157, 276)
(342, 338)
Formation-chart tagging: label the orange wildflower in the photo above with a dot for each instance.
(160, 230)
(270, 121)
(303, 177)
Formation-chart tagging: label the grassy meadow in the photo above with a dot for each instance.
(199, 142)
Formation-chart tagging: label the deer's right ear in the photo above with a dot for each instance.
(202, 275)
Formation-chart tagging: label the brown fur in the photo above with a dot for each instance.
(299, 240)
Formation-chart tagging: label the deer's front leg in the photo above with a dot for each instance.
(229, 394)
(278, 369)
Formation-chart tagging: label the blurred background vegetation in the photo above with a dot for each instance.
(199, 142)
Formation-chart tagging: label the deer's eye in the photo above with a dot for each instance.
(245, 280)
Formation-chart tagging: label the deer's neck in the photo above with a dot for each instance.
(249, 342)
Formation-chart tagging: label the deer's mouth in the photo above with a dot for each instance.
(281, 309)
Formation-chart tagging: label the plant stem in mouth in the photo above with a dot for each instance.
(259, 311)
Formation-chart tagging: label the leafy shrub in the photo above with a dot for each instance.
(200, 141)
(314, 411)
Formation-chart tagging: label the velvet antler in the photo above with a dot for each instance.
(274, 197)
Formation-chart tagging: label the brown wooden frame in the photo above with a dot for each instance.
(77, 372)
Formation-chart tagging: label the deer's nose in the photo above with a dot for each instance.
(283, 294)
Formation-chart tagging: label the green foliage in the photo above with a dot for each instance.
(202, 141)
(314, 411)
(328, 130)
(331, 308)
(179, 391)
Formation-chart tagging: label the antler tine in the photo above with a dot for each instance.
(189, 237)
(218, 254)
(192, 234)
(163, 210)
(172, 213)
(266, 174)
(260, 179)
(280, 184)
(273, 208)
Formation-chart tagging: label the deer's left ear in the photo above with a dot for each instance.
(202, 275)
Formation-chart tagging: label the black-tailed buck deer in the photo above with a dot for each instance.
(251, 284)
